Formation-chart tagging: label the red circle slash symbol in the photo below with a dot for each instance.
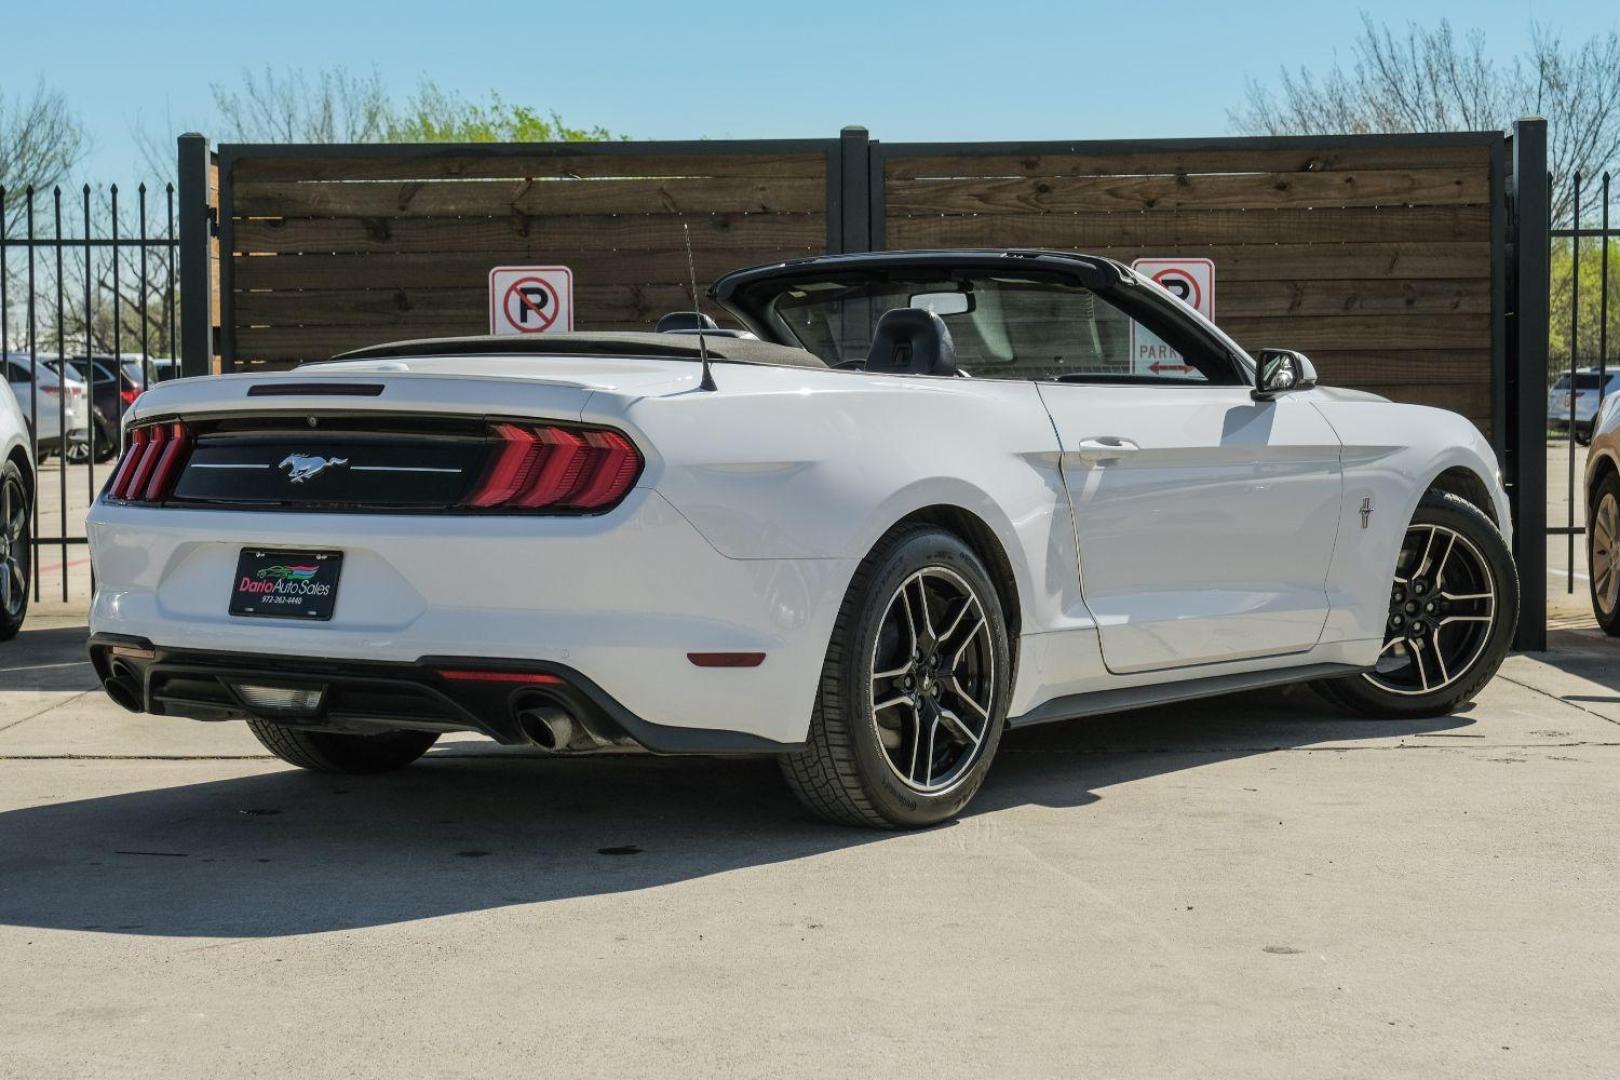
(531, 305)
(1182, 285)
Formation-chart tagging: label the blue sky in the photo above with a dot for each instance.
(991, 69)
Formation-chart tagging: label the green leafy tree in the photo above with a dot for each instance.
(1587, 311)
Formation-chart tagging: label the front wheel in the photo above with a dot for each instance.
(1453, 606)
(914, 689)
(335, 752)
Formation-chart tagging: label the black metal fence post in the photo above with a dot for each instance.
(196, 285)
(1527, 376)
(855, 196)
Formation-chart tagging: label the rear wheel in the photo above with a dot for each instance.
(1454, 602)
(334, 752)
(1603, 553)
(913, 693)
(15, 554)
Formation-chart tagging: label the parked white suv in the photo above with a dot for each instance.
(1588, 384)
(49, 410)
(16, 491)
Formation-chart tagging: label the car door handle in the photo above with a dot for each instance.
(1105, 447)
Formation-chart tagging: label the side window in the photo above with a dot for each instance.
(15, 373)
(1067, 333)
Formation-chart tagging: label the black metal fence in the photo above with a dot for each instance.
(1583, 376)
(87, 291)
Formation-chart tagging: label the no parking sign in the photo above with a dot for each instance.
(1192, 281)
(531, 299)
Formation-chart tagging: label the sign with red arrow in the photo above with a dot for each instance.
(1192, 281)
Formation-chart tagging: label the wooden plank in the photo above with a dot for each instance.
(1323, 262)
(1386, 296)
(1184, 227)
(437, 163)
(470, 269)
(1361, 332)
(1171, 162)
(445, 198)
(1409, 367)
(1072, 194)
(427, 306)
(534, 236)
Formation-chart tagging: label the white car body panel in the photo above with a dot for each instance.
(13, 430)
(758, 501)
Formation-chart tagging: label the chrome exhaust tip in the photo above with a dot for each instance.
(547, 726)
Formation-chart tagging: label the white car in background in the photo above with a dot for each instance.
(1590, 385)
(16, 501)
(59, 400)
(830, 545)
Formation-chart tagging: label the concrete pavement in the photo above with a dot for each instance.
(1252, 887)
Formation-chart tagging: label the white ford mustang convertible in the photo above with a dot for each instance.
(918, 499)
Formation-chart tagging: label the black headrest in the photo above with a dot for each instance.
(911, 341)
(685, 320)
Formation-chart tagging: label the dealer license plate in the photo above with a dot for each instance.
(286, 584)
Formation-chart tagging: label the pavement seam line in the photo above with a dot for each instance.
(46, 709)
(1560, 700)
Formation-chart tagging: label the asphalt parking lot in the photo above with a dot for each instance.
(1252, 887)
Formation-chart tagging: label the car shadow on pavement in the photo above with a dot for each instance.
(284, 852)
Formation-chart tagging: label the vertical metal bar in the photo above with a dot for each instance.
(196, 301)
(5, 295)
(1603, 308)
(118, 325)
(89, 359)
(1527, 369)
(169, 249)
(33, 395)
(62, 387)
(1574, 366)
(146, 324)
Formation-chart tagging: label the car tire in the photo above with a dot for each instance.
(16, 555)
(335, 752)
(1603, 553)
(105, 441)
(919, 759)
(1404, 685)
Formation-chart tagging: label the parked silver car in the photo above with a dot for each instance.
(1590, 386)
(62, 410)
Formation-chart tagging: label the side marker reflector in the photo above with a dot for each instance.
(726, 659)
(502, 676)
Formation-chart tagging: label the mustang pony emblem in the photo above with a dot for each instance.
(301, 467)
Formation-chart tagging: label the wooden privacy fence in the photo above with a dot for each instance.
(1374, 256)
(1414, 266)
(332, 250)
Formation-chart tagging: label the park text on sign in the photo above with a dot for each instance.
(1192, 281)
(531, 299)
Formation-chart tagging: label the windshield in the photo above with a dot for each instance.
(1004, 327)
(1587, 380)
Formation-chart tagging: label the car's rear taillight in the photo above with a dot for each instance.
(556, 468)
(129, 396)
(156, 455)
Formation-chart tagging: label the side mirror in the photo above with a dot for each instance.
(1281, 371)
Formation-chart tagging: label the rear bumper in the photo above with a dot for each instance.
(360, 696)
(621, 599)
